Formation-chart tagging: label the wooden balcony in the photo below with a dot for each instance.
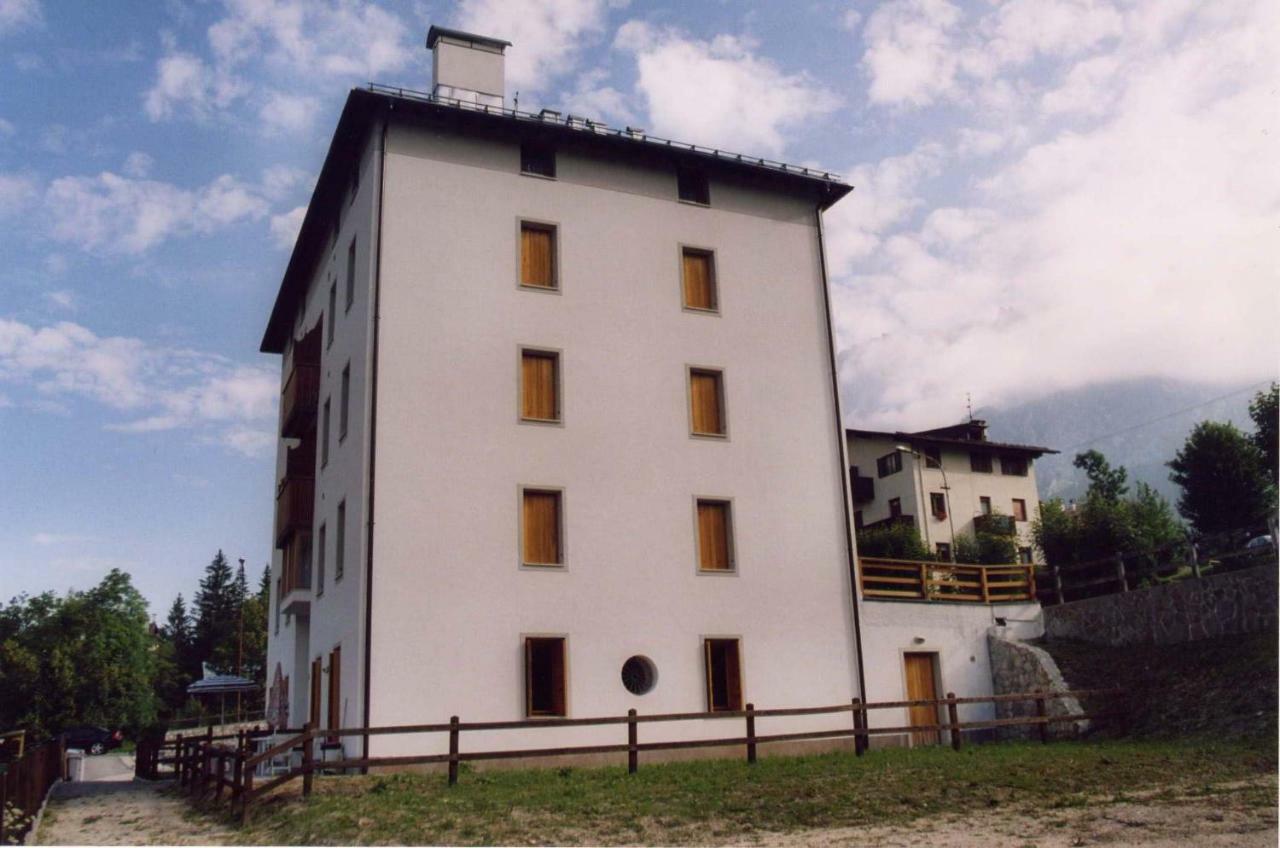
(299, 401)
(998, 525)
(295, 578)
(295, 507)
(911, 580)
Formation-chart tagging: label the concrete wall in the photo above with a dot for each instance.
(451, 604)
(1216, 605)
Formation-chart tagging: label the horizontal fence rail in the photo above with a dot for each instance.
(207, 766)
(914, 580)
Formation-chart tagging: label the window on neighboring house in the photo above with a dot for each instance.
(320, 558)
(340, 542)
(932, 457)
(715, 535)
(980, 461)
(895, 507)
(1019, 509)
(539, 385)
(724, 674)
(698, 272)
(706, 402)
(351, 274)
(944, 552)
(344, 405)
(324, 434)
(333, 310)
(938, 505)
(890, 463)
(1013, 466)
(693, 186)
(538, 159)
(544, 676)
(538, 256)
(541, 527)
(857, 519)
(984, 505)
(1024, 556)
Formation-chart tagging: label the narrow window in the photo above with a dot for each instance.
(539, 385)
(890, 463)
(706, 402)
(537, 159)
(693, 187)
(324, 435)
(724, 675)
(944, 552)
(537, 256)
(699, 274)
(335, 691)
(980, 462)
(541, 528)
(333, 308)
(1019, 509)
(1013, 466)
(344, 405)
(895, 507)
(984, 505)
(351, 274)
(544, 677)
(320, 557)
(715, 535)
(340, 543)
(932, 457)
(938, 505)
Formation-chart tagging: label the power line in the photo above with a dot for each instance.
(1168, 415)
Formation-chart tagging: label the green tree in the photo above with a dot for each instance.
(985, 549)
(895, 541)
(217, 609)
(1264, 409)
(177, 664)
(1104, 481)
(1224, 484)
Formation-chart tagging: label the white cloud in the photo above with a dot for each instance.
(183, 79)
(591, 97)
(62, 299)
(547, 36)
(18, 14)
(283, 112)
(279, 180)
(153, 388)
(719, 93)
(17, 191)
(910, 54)
(7, 128)
(47, 539)
(138, 164)
(285, 227)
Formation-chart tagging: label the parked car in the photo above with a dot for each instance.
(1260, 543)
(94, 740)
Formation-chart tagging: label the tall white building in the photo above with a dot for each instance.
(560, 428)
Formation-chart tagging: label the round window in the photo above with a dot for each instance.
(639, 675)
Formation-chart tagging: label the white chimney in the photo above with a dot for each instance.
(467, 67)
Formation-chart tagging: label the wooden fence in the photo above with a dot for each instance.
(913, 580)
(24, 783)
(210, 767)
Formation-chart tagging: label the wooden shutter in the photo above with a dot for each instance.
(699, 282)
(705, 399)
(713, 536)
(541, 527)
(313, 711)
(538, 386)
(537, 249)
(558, 678)
(733, 674)
(335, 691)
(724, 674)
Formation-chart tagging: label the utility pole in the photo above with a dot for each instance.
(240, 648)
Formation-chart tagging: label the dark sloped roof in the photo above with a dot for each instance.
(925, 437)
(221, 683)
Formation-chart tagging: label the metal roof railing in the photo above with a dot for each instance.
(586, 125)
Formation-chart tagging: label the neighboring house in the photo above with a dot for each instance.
(559, 427)
(946, 483)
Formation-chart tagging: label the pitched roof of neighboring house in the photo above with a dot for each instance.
(365, 105)
(221, 684)
(969, 434)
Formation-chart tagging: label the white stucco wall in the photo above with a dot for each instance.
(450, 602)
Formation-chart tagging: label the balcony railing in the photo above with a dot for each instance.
(999, 525)
(905, 520)
(911, 580)
(295, 507)
(300, 400)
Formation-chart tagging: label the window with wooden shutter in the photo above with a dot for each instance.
(1019, 509)
(541, 527)
(537, 256)
(544, 676)
(539, 385)
(698, 269)
(706, 402)
(724, 674)
(335, 691)
(313, 708)
(715, 542)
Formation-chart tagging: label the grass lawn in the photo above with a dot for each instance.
(717, 801)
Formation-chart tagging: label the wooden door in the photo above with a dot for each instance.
(313, 711)
(921, 676)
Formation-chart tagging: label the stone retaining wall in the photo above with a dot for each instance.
(1020, 667)
(1215, 605)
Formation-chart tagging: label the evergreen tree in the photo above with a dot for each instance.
(1224, 484)
(216, 617)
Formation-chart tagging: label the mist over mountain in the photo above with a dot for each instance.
(1139, 424)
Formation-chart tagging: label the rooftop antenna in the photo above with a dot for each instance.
(968, 403)
(515, 107)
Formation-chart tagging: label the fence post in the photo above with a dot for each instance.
(1057, 583)
(751, 733)
(1043, 714)
(220, 774)
(953, 717)
(924, 581)
(859, 724)
(1195, 560)
(4, 797)
(308, 746)
(982, 579)
(633, 753)
(246, 793)
(453, 750)
(237, 769)
(1124, 582)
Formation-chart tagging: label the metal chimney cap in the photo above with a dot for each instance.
(436, 33)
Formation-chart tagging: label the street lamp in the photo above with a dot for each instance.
(946, 490)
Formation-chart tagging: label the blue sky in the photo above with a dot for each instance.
(1050, 193)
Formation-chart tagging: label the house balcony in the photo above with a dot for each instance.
(300, 401)
(864, 488)
(891, 521)
(295, 508)
(295, 579)
(931, 582)
(997, 525)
